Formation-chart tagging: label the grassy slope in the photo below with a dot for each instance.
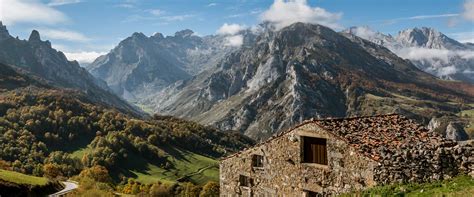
(419, 106)
(19, 178)
(458, 186)
(186, 164)
(194, 167)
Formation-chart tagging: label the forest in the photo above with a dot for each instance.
(41, 127)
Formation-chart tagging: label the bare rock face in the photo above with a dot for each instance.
(448, 128)
(141, 66)
(299, 72)
(437, 125)
(455, 131)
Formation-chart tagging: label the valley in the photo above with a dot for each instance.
(150, 99)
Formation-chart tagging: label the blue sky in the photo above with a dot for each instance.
(84, 29)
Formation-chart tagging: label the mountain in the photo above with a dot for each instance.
(40, 59)
(304, 71)
(428, 49)
(141, 65)
(55, 132)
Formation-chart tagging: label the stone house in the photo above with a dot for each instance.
(334, 156)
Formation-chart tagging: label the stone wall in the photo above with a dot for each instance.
(284, 174)
(425, 162)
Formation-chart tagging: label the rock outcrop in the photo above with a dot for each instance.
(141, 66)
(449, 128)
(38, 58)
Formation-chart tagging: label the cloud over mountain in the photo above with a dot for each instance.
(231, 32)
(83, 57)
(286, 12)
(230, 29)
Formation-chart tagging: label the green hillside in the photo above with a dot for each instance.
(19, 184)
(19, 178)
(59, 134)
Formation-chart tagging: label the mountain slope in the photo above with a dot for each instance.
(38, 58)
(141, 65)
(44, 126)
(305, 71)
(428, 49)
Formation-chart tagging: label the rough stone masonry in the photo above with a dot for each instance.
(334, 156)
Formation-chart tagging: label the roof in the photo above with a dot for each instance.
(373, 135)
(377, 135)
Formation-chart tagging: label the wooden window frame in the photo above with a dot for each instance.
(318, 147)
(245, 181)
(308, 193)
(257, 161)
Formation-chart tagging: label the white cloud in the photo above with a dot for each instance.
(364, 32)
(430, 16)
(443, 55)
(452, 21)
(463, 36)
(125, 5)
(177, 17)
(83, 57)
(468, 13)
(415, 53)
(63, 35)
(156, 12)
(235, 41)
(29, 11)
(62, 2)
(286, 12)
(136, 17)
(211, 4)
(448, 70)
(230, 29)
(439, 60)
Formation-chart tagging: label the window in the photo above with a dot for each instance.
(315, 150)
(311, 194)
(257, 161)
(245, 181)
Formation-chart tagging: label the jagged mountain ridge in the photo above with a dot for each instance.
(38, 58)
(305, 71)
(141, 65)
(428, 49)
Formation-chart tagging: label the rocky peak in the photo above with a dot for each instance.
(184, 33)
(34, 36)
(3, 32)
(139, 35)
(417, 36)
(428, 38)
(158, 36)
(299, 34)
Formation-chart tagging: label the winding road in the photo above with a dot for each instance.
(69, 186)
